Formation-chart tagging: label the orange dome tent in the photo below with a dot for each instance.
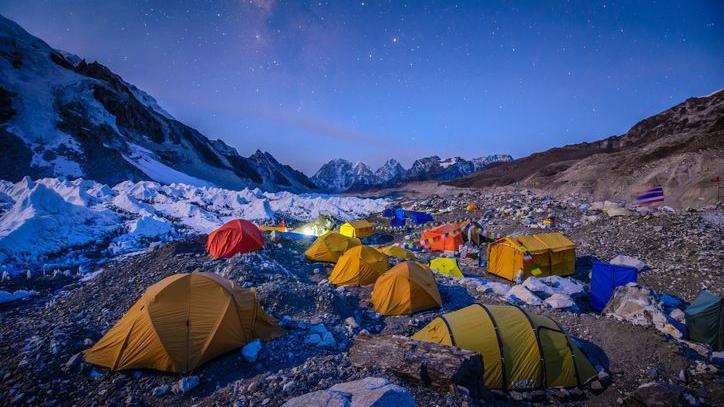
(237, 236)
(442, 238)
(407, 288)
(182, 322)
(330, 246)
(360, 265)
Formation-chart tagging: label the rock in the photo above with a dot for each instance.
(320, 336)
(367, 392)
(657, 394)
(250, 351)
(493, 287)
(185, 385)
(678, 315)
(351, 322)
(717, 358)
(622, 260)
(596, 386)
(74, 360)
(559, 301)
(520, 294)
(160, 391)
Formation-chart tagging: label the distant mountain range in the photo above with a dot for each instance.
(681, 149)
(342, 176)
(63, 116)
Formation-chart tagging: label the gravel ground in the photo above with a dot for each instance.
(40, 336)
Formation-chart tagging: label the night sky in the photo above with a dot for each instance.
(370, 80)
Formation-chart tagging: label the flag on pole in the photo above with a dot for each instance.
(651, 196)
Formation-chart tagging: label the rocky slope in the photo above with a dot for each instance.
(340, 175)
(63, 116)
(681, 148)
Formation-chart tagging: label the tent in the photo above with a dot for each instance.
(538, 255)
(379, 239)
(397, 251)
(391, 212)
(316, 227)
(237, 236)
(442, 238)
(471, 207)
(605, 278)
(447, 266)
(360, 265)
(356, 228)
(400, 213)
(420, 218)
(329, 247)
(407, 288)
(520, 350)
(705, 320)
(281, 227)
(182, 322)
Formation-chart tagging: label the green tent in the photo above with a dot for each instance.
(705, 320)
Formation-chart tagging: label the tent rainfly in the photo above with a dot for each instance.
(182, 322)
(397, 251)
(356, 228)
(236, 236)
(360, 265)
(537, 255)
(520, 350)
(329, 247)
(407, 288)
(445, 237)
(447, 266)
(705, 320)
(604, 280)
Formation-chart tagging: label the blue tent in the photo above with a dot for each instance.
(390, 212)
(420, 217)
(605, 278)
(397, 222)
(400, 213)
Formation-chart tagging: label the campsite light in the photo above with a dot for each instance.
(307, 231)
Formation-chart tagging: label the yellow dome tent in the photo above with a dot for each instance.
(397, 251)
(520, 350)
(182, 322)
(538, 255)
(447, 266)
(407, 288)
(356, 228)
(330, 246)
(471, 207)
(360, 265)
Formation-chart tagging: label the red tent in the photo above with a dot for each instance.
(442, 238)
(237, 236)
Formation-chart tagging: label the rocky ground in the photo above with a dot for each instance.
(40, 338)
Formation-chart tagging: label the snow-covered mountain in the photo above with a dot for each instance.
(340, 175)
(390, 171)
(63, 116)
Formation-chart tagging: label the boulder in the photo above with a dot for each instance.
(658, 394)
(185, 385)
(639, 306)
(559, 301)
(628, 261)
(250, 351)
(367, 392)
(520, 294)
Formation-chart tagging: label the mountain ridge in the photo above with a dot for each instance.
(61, 115)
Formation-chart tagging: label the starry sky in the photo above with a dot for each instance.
(370, 80)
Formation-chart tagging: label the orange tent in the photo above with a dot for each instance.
(407, 288)
(181, 322)
(442, 238)
(237, 236)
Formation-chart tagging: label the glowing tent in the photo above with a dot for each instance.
(182, 322)
(360, 265)
(237, 236)
(329, 247)
(520, 350)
